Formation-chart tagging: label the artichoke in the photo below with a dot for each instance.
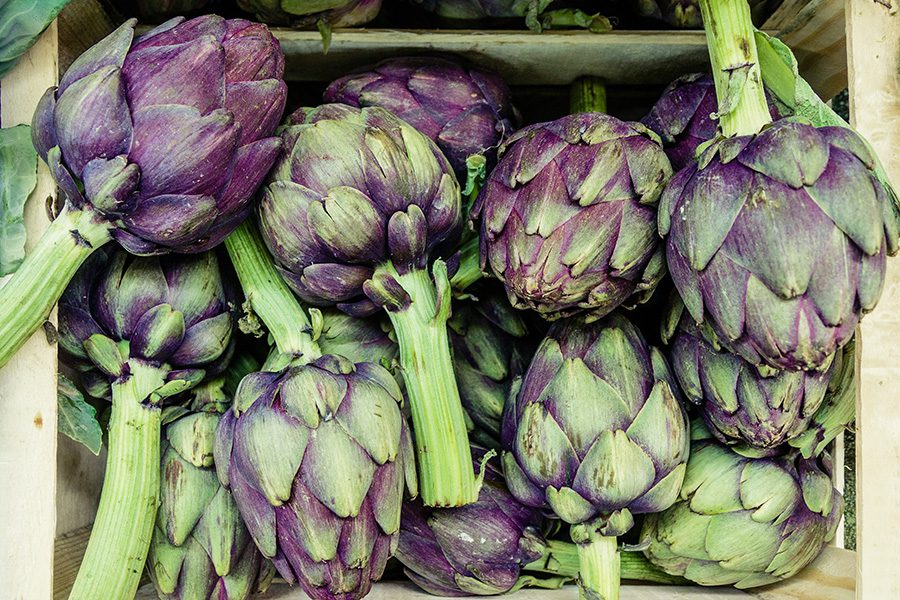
(465, 110)
(353, 212)
(740, 402)
(744, 521)
(490, 349)
(201, 549)
(316, 456)
(158, 141)
(683, 117)
(686, 13)
(311, 13)
(358, 340)
(761, 246)
(568, 216)
(597, 435)
(535, 12)
(151, 326)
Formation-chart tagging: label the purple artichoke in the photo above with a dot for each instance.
(159, 142)
(568, 216)
(464, 110)
(683, 117)
(353, 213)
(152, 326)
(744, 521)
(740, 402)
(307, 13)
(316, 457)
(764, 247)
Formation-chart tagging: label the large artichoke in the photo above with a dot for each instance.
(740, 402)
(744, 521)
(354, 213)
(316, 456)
(490, 349)
(310, 13)
(158, 141)
(598, 435)
(568, 216)
(763, 245)
(151, 326)
(201, 549)
(465, 110)
(683, 117)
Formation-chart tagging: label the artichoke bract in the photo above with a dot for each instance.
(158, 141)
(465, 110)
(357, 339)
(683, 117)
(354, 212)
(312, 13)
(201, 549)
(151, 326)
(317, 457)
(568, 216)
(597, 435)
(744, 521)
(490, 349)
(740, 402)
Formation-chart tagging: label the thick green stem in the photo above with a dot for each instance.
(469, 266)
(599, 568)
(446, 475)
(27, 299)
(268, 294)
(731, 39)
(587, 94)
(561, 558)
(120, 538)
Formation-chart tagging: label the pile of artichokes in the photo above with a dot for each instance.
(266, 306)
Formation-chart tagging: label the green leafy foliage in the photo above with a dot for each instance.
(18, 176)
(76, 418)
(21, 22)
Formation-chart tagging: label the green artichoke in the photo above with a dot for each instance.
(312, 13)
(201, 549)
(744, 521)
(359, 340)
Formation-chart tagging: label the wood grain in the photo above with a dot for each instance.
(28, 381)
(873, 33)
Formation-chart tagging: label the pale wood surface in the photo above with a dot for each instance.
(873, 32)
(28, 382)
(68, 552)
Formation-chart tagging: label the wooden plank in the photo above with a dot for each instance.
(829, 577)
(873, 36)
(68, 551)
(28, 382)
(79, 479)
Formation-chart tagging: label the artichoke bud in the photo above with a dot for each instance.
(106, 355)
(407, 233)
(110, 184)
(170, 389)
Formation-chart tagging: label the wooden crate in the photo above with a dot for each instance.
(51, 485)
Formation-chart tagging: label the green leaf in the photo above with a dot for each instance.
(18, 176)
(21, 23)
(77, 419)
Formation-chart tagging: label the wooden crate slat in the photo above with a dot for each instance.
(873, 33)
(28, 381)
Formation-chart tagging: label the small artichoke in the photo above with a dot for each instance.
(744, 521)
(763, 245)
(683, 117)
(310, 13)
(358, 340)
(740, 402)
(538, 14)
(568, 216)
(167, 136)
(201, 549)
(685, 14)
(598, 431)
(465, 110)
(316, 456)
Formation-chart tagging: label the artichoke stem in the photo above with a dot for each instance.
(469, 266)
(120, 539)
(561, 558)
(599, 568)
(446, 477)
(731, 39)
(268, 294)
(586, 95)
(28, 297)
